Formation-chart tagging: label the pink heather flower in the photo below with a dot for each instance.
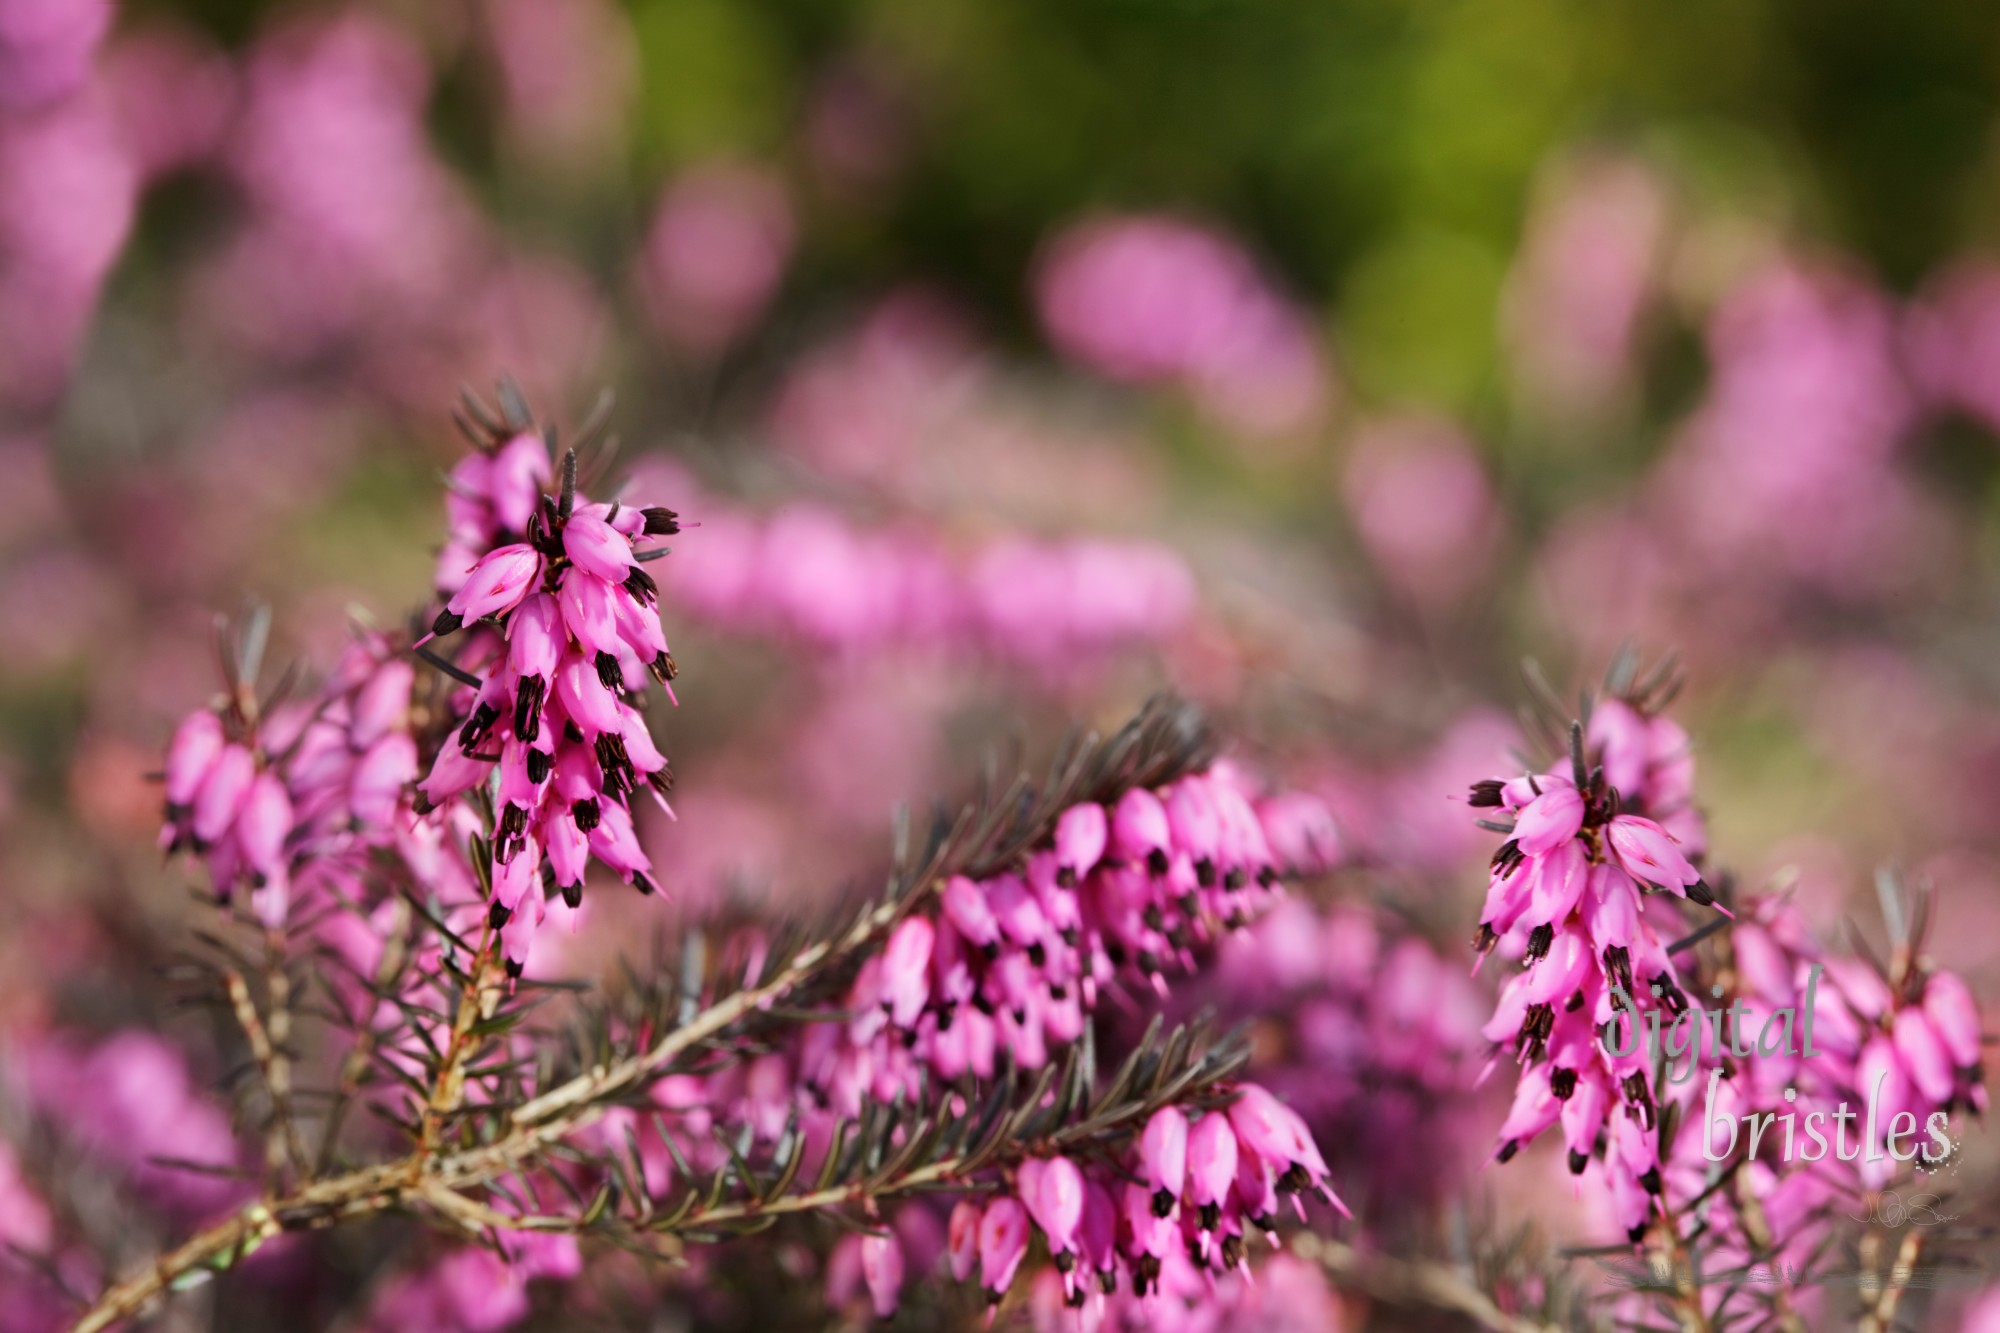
(1267, 1127)
(1163, 1155)
(1649, 853)
(496, 585)
(196, 745)
(1003, 1243)
(1549, 820)
(598, 547)
(1052, 1190)
(222, 793)
(1955, 1017)
(716, 254)
(1923, 1056)
(1082, 833)
(1140, 833)
(905, 982)
(516, 475)
(963, 1238)
(1625, 742)
(882, 1267)
(1212, 1161)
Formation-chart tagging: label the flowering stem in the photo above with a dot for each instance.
(267, 1049)
(478, 999)
(424, 1173)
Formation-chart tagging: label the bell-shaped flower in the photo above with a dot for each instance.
(1003, 1243)
(1163, 1148)
(1082, 833)
(1548, 821)
(596, 546)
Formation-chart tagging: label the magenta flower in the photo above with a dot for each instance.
(1082, 834)
(882, 1267)
(1163, 1150)
(495, 586)
(1003, 1243)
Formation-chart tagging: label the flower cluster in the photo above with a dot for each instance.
(561, 617)
(1010, 963)
(996, 972)
(1568, 890)
(1163, 1223)
(289, 800)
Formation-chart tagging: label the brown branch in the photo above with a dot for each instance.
(1411, 1282)
(282, 1143)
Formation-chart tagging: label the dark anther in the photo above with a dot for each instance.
(1154, 918)
(1107, 1281)
(498, 915)
(1701, 893)
(990, 950)
(513, 822)
(1071, 936)
(1235, 879)
(1211, 1216)
(475, 728)
(946, 1015)
(539, 764)
(1670, 994)
(1163, 1202)
(1156, 861)
(1295, 1180)
(1232, 1251)
(640, 584)
(1540, 939)
(663, 668)
(1636, 1234)
(608, 674)
(1058, 993)
(1267, 876)
(572, 894)
(447, 622)
(1037, 954)
(585, 813)
(1508, 1149)
(1486, 793)
(1115, 951)
(572, 732)
(644, 882)
(1651, 1180)
(528, 709)
(1065, 877)
(1484, 938)
(1577, 1162)
(1149, 963)
(1508, 859)
(661, 522)
(982, 1004)
(1563, 1083)
(514, 969)
(1204, 873)
(1065, 1261)
(1189, 904)
(1619, 960)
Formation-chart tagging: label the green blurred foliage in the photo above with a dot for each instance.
(1380, 152)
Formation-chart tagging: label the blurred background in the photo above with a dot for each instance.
(1018, 358)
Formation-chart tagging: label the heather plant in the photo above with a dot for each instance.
(384, 849)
